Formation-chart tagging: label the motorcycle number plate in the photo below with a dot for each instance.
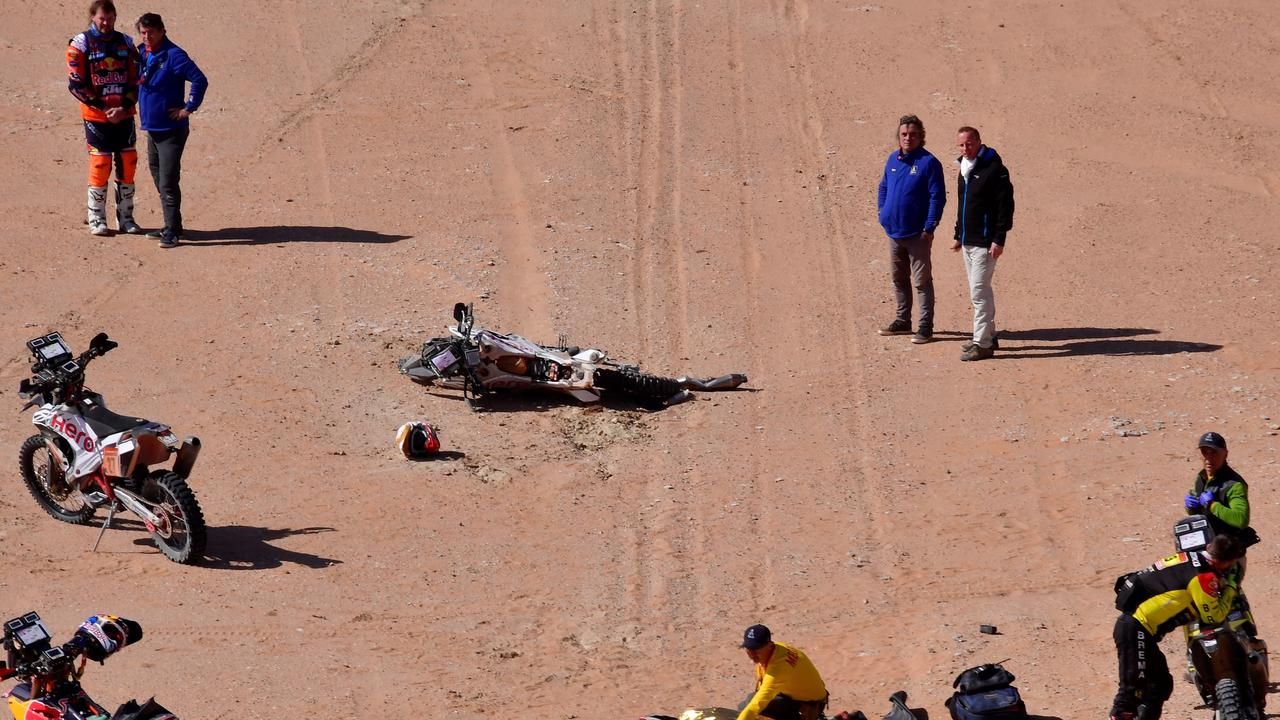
(1192, 540)
(444, 360)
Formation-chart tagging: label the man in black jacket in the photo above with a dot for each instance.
(984, 218)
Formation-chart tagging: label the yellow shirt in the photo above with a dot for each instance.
(789, 673)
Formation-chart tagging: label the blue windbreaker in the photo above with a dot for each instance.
(165, 74)
(912, 194)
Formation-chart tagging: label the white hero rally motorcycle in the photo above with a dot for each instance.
(479, 361)
(86, 456)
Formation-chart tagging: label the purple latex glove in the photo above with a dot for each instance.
(1205, 498)
(1192, 502)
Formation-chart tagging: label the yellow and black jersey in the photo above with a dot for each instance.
(1164, 595)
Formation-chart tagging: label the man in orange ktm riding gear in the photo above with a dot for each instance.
(788, 686)
(1155, 600)
(102, 73)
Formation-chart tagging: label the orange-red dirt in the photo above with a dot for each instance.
(690, 185)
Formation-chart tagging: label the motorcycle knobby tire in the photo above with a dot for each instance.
(37, 445)
(171, 492)
(1229, 700)
(648, 389)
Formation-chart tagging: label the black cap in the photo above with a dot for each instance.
(756, 637)
(1213, 440)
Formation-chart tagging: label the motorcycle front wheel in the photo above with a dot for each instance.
(1230, 702)
(180, 534)
(44, 472)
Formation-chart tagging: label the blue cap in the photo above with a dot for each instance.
(1213, 440)
(756, 637)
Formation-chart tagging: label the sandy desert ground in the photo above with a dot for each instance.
(689, 185)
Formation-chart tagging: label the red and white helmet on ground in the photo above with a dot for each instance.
(417, 440)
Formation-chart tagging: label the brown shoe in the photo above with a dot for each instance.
(977, 352)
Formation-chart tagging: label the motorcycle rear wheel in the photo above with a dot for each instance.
(639, 386)
(44, 476)
(181, 536)
(1230, 701)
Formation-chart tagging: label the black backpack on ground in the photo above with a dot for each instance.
(986, 692)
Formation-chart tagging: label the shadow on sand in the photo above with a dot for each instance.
(272, 234)
(544, 400)
(242, 547)
(1073, 342)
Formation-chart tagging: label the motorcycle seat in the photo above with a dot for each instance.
(104, 422)
(21, 691)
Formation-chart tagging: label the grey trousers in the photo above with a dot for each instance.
(913, 268)
(980, 266)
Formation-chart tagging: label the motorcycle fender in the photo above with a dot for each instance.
(73, 434)
(35, 710)
(1213, 656)
(187, 453)
(17, 707)
(589, 355)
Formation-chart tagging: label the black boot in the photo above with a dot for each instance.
(1149, 711)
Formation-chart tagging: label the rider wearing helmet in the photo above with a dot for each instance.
(788, 686)
(1157, 599)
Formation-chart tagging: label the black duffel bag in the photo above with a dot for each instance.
(985, 692)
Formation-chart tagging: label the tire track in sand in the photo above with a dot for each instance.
(326, 294)
(322, 94)
(647, 65)
(758, 576)
(810, 132)
(869, 493)
(522, 287)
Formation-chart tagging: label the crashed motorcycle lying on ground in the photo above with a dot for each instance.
(479, 362)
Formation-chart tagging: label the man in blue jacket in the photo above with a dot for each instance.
(165, 106)
(912, 194)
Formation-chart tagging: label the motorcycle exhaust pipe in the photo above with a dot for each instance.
(724, 382)
(187, 456)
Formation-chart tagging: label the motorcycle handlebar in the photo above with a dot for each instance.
(46, 665)
(99, 346)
